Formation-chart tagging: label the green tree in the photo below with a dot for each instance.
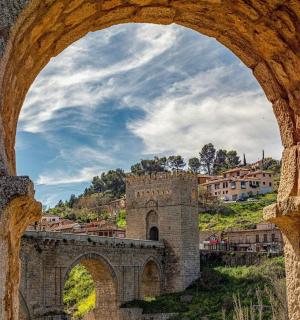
(148, 166)
(176, 163)
(60, 204)
(114, 182)
(220, 163)
(98, 184)
(137, 169)
(244, 160)
(207, 156)
(194, 165)
(233, 160)
(72, 200)
(272, 165)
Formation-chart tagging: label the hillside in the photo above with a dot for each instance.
(236, 214)
(212, 298)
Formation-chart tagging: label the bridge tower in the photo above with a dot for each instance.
(164, 207)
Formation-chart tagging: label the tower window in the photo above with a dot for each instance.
(153, 234)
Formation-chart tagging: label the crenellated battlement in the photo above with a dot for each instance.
(159, 177)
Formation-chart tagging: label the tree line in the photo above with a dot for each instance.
(209, 161)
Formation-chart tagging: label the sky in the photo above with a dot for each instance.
(131, 92)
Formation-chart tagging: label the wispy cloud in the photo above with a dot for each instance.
(74, 86)
(134, 91)
(61, 177)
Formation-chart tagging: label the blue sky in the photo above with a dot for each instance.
(133, 91)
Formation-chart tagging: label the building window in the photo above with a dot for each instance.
(264, 175)
(257, 238)
(273, 237)
(243, 184)
(238, 173)
(270, 184)
(264, 183)
(270, 175)
(233, 185)
(216, 193)
(265, 238)
(217, 186)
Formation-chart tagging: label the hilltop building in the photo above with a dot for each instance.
(237, 184)
(265, 237)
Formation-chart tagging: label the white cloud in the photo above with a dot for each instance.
(61, 177)
(83, 164)
(197, 110)
(67, 84)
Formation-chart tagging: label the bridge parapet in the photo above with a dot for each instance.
(93, 239)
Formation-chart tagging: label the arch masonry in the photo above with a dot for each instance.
(263, 34)
(151, 281)
(106, 284)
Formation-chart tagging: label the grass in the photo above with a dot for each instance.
(213, 295)
(85, 305)
(236, 215)
(79, 292)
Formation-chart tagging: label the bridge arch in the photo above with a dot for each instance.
(106, 284)
(151, 279)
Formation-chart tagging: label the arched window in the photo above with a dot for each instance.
(152, 226)
(153, 234)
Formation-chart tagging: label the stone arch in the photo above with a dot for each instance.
(151, 280)
(263, 34)
(106, 284)
(151, 223)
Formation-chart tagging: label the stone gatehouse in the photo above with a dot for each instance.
(161, 256)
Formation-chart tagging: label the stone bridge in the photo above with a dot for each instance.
(122, 270)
